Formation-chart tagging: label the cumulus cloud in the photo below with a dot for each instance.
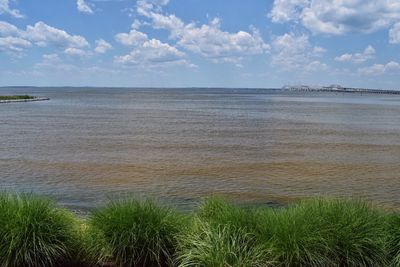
(72, 51)
(51, 58)
(315, 66)
(102, 46)
(338, 17)
(136, 24)
(318, 51)
(207, 40)
(211, 42)
(295, 52)
(394, 34)
(13, 44)
(287, 10)
(10, 40)
(133, 38)
(145, 7)
(379, 69)
(40, 34)
(149, 52)
(43, 35)
(367, 54)
(6, 9)
(84, 7)
(7, 29)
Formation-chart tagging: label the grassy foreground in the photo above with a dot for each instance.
(319, 232)
(16, 97)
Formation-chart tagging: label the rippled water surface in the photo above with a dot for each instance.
(261, 146)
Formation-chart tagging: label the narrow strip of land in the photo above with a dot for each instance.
(21, 98)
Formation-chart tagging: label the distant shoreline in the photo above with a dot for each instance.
(300, 88)
(24, 100)
(286, 88)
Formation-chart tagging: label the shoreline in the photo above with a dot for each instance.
(24, 100)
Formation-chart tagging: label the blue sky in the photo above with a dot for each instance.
(212, 43)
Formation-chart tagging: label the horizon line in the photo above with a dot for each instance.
(137, 87)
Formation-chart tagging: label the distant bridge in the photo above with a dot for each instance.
(342, 90)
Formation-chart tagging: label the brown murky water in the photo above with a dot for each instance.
(87, 145)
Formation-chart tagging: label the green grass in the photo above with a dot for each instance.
(134, 233)
(327, 233)
(394, 239)
(16, 97)
(218, 211)
(218, 245)
(223, 235)
(317, 232)
(34, 232)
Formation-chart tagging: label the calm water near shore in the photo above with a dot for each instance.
(258, 146)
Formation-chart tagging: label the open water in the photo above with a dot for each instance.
(87, 145)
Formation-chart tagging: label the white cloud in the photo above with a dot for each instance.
(136, 24)
(54, 58)
(394, 34)
(208, 40)
(102, 46)
(84, 7)
(39, 34)
(315, 66)
(211, 42)
(149, 52)
(43, 35)
(133, 38)
(317, 50)
(7, 29)
(72, 51)
(294, 52)
(379, 69)
(338, 17)
(13, 44)
(171, 23)
(145, 7)
(5, 9)
(287, 10)
(367, 54)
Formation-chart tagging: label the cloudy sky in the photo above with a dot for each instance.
(221, 43)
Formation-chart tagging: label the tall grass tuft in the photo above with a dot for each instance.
(327, 233)
(134, 233)
(314, 233)
(222, 235)
(293, 237)
(218, 245)
(394, 239)
(356, 231)
(34, 232)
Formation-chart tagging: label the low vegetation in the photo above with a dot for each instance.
(327, 233)
(16, 97)
(34, 232)
(318, 232)
(134, 233)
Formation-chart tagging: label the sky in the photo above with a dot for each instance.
(200, 43)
